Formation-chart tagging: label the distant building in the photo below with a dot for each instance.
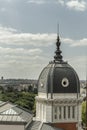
(2, 78)
(18, 84)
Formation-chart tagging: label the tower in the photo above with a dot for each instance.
(58, 101)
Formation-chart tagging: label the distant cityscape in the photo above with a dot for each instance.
(29, 85)
(18, 84)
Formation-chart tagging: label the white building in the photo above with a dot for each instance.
(58, 101)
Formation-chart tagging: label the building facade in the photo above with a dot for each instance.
(58, 101)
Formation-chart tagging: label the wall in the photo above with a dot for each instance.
(11, 127)
(66, 126)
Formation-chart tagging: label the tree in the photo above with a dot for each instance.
(84, 112)
(23, 99)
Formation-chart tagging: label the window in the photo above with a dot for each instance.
(55, 109)
(55, 116)
(68, 111)
(55, 113)
(64, 112)
(73, 111)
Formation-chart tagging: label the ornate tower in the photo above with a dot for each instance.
(58, 101)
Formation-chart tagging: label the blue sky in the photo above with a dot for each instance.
(28, 31)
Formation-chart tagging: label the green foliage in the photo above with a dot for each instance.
(1, 89)
(84, 112)
(24, 99)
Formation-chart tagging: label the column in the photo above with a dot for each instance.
(45, 112)
(38, 110)
(42, 111)
(37, 113)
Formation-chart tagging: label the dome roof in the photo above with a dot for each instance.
(58, 76)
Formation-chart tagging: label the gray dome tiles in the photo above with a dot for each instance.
(54, 77)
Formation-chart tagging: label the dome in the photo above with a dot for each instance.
(58, 76)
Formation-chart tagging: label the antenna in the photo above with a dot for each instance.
(58, 29)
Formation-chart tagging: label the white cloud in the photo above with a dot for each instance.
(6, 30)
(23, 51)
(27, 39)
(36, 1)
(82, 42)
(73, 43)
(20, 51)
(79, 5)
(10, 36)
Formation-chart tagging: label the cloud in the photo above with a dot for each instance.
(6, 30)
(28, 53)
(20, 51)
(74, 43)
(79, 5)
(11, 37)
(36, 1)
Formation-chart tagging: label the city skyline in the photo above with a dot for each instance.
(28, 32)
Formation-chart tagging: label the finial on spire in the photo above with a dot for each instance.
(57, 29)
(58, 56)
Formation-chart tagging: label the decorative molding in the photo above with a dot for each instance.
(60, 100)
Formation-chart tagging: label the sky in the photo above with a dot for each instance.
(28, 32)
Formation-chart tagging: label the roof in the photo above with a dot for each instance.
(37, 125)
(34, 125)
(12, 113)
(49, 127)
(58, 77)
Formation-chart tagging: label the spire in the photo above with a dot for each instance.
(58, 56)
